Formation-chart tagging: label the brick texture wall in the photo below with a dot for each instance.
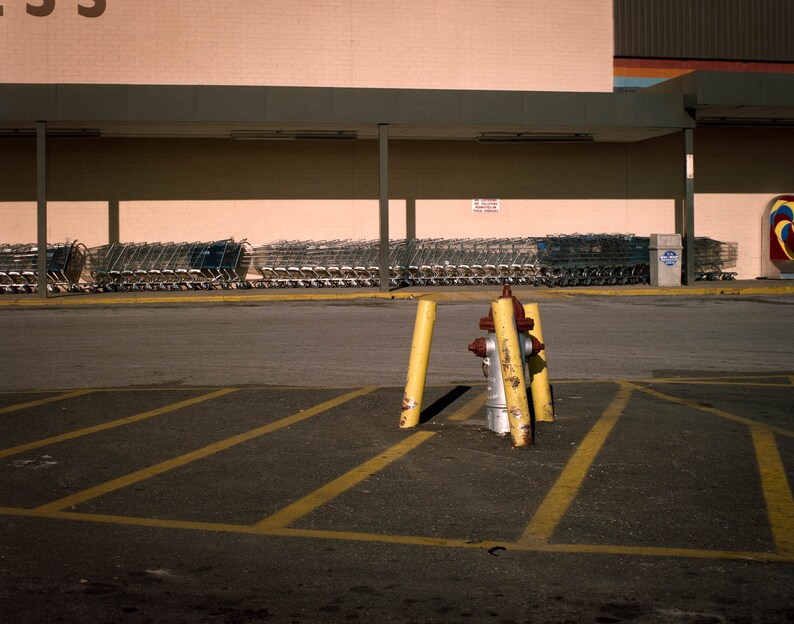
(540, 45)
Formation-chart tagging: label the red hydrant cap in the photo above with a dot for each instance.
(478, 347)
(523, 322)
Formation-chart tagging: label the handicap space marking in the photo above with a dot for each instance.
(71, 435)
(44, 401)
(176, 462)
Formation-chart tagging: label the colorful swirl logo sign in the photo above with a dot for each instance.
(781, 228)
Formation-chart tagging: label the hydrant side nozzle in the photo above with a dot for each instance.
(478, 347)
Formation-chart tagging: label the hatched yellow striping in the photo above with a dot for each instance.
(564, 491)
(176, 462)
(310, 502)
(52, 399)
(70, 435)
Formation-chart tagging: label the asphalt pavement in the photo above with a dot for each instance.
(185, 460)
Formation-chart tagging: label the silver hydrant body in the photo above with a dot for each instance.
(487, 348)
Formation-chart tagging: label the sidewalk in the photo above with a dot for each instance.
(435, 293)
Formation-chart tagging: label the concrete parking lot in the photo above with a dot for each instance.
(661, 493)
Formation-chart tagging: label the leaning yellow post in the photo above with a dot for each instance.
(512, 364)
(539, 372)
(417, 364)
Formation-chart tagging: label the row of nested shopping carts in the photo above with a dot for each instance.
(169, 266)
(126, 266)
(65, 262)
(561, 260)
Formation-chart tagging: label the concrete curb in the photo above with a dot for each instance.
(479, 294)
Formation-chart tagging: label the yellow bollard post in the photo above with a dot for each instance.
(417, 364)
(539, 372)
(512, 372)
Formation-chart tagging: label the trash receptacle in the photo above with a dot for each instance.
(665, 259)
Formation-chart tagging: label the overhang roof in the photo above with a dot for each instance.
(220, 111)
(734, 98)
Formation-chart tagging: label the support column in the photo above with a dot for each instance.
(113, 221)
(410, 219)
(685, 211)
(41, 206)
(383, 186)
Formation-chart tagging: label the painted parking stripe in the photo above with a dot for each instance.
(176, 462)
(777, 493)
(71, 435)
(407, 540)
(566, 488)
(711, 410)
(289, 514)
(45, 401)
(470, 408)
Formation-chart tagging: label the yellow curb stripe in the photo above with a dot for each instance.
(53, 399)
(289, 514)
(470, 408)
(98, 300)
(472, 295)
(71, 435)
(777, 493)
(563, 492)
(711, 410)
(176, 462)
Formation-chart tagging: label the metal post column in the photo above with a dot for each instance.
(113, 221)
(383, 185)
(685, 211)
(41, 203)
(410, 219)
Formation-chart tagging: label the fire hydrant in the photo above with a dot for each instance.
(486, 348)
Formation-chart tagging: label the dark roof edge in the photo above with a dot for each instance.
(726, 88)
(87, 103)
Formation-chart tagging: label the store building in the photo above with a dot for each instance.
(148, 120)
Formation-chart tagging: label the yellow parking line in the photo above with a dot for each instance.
(310, 502)
(113, 423)
(711, 410)
(470, 408)
(176, 462)
(749, 384)
(710, 378)
(562, 494)
(777, 493)
(406, 540)
(52, 399)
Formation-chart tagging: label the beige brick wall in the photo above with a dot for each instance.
(560, 45)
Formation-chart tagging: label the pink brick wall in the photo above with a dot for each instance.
(560, 45)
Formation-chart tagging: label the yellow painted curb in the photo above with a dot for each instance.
(438, 296)
(95, 300)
